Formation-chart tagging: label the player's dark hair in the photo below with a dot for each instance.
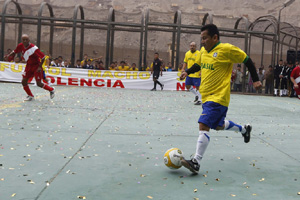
(122, 62)
(133, 64)
(156, 53)
(211, 29)
(78, 60)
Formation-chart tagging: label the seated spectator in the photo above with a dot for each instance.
(133, 67)
(99, 65)
(86, 58)
(60, 61)
(180, 67)
(88, 65)
(55, 63)
(9, 58)
(78, 64)
(17, 59)
(112, 67)
(169, 68)
(67, 64)
(123, 66)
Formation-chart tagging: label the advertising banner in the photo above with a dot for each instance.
(12, 72)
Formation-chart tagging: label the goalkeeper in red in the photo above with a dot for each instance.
(34, 60)
(215, 62)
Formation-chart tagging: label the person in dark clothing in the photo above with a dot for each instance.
(277, 70)
(156, 70)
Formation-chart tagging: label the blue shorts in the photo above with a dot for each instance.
(44, 75)
(192, 81)
(213, 114)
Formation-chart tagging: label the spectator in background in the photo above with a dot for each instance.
(123, 66)
(89, 65)
(261, 78)
(238, 79)
(17, 59)
(60, 61)
(269, 80)
(180, 67)
(112, 67)
(9, 58)
(78, 64)
(133, 67)
(99, 65)
(55, 63)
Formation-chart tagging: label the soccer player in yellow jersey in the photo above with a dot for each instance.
(193, 79)
(216, 61)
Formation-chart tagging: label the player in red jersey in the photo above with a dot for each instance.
(34, 60)
(295, 78)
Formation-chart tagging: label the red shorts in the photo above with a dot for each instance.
(31, 72)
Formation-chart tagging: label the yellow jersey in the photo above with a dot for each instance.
(190, 59)
(131, 69)
(216, 68)
(46, 62)
(126, 68)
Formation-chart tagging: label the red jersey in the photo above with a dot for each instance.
(31, 54)
(296, 74)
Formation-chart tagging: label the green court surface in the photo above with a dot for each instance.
(108, 144)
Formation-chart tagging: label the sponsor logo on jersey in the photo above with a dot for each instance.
(215, 55)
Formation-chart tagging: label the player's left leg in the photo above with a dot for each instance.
(231, 126)
(38, 78)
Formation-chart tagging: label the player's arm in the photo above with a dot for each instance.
(191, 70)
(184, 66)
(293, 80)
(161, 68)
(40, 68)
(252, 69)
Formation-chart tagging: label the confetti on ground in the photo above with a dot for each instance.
(81, 197)
(195, 190)
(149, 197)
(233, 195)
(14, 194)
(262, 179)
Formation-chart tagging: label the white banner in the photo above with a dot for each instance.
(12, 72)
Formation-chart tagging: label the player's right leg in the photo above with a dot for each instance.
(27, 74)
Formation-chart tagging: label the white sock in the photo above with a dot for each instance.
(202, 144)
(275, 91)
(231, 126)
(281, 92)
(193, 91)
(198, 94)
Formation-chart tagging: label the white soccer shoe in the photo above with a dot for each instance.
(29, 98)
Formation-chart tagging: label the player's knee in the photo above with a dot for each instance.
(219, 128)
(40, 84)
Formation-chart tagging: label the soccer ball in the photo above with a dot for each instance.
(172, 158)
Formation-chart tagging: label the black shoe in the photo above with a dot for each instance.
(162, 86)
(153, 89)
(247, 135)
(196, 98)
(192, 165)
(198, 103)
